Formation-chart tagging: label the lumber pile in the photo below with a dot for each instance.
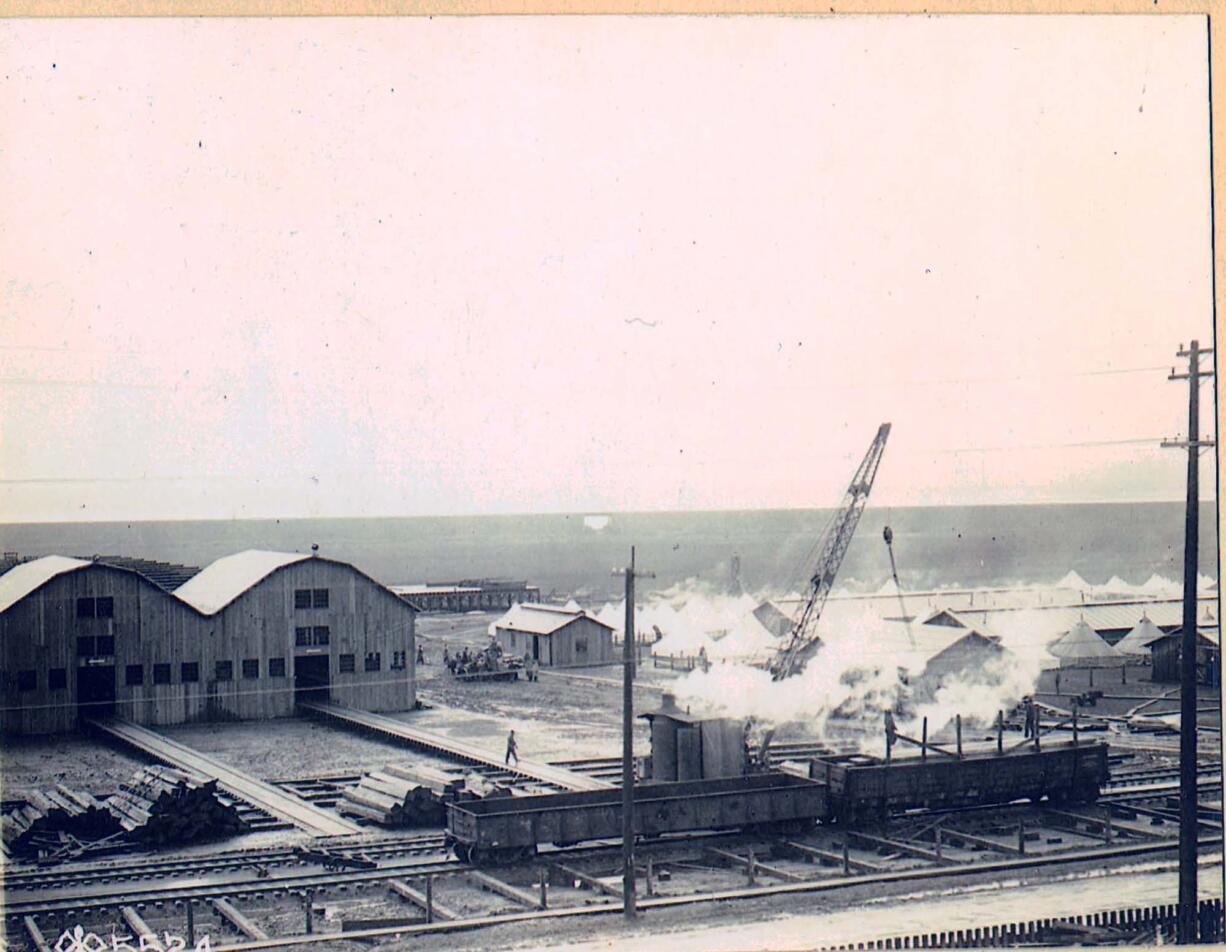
(50, 819)
(393, 801)
(477, 787)
(161, 806)
(414, 794)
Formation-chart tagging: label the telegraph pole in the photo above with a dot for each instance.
(1188, 819)
(631, 573)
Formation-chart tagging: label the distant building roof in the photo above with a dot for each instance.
(26, 577)
(224, 580)
(1055, 620)
(429, 589)
(536, 619)
(167, 576)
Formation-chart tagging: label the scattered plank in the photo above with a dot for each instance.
(244, 925)
(36, 934)
(907, 848)
(829, 856)
(418, 898)
(758, 865)
(948, 833)
(145, 937)
(487, 881)
(594, 881)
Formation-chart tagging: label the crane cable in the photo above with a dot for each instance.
(888, 535)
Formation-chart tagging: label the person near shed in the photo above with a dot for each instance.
(421, 655)
(512, 748)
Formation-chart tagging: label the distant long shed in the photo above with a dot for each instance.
(244, 638)
(555, 636)
(481, 594)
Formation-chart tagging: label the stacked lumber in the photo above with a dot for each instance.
(161, 806)
(391, 800)
(442, 783)
(477, 787)
(51, 818)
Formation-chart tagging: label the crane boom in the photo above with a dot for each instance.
(803, 640)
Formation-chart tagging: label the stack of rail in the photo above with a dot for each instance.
(412, 794)
(51, 818)
(161, 806)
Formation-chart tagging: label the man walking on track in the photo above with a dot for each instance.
(512, 749)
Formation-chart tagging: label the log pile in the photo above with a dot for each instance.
(51, 818)
(161, 806)
(413, 794)
(391, 800)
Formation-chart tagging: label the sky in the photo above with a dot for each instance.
(335, 267)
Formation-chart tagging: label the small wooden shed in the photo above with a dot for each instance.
(555, 637)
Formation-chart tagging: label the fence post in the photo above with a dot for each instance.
(846, 859)
(306, 906)
(429, 899)
(1021, 836)
(1000, 732)
(749, 868)
(191, 924)
(938, 841)
(651, 889)
(545, 886)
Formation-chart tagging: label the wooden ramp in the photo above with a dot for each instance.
(200, 766)
(468, 753)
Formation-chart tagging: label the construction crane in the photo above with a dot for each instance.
(888, 535)
(832, 546)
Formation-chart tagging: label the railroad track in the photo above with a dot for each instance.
(228, 860)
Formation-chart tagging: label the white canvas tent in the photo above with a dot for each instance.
(1136, 642)
(1083, 647)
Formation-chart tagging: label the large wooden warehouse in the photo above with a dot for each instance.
(242, 639)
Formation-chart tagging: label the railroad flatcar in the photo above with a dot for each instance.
(866, 788)
(510, 828)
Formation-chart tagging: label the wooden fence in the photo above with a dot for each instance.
(1156, 923)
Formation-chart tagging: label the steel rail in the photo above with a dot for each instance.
(749, 892)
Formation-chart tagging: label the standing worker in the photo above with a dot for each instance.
(512, 748)
(421, 655)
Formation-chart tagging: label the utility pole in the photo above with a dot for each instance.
(628, 646)
(1188, 819)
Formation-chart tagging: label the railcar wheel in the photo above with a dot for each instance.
(461, 851)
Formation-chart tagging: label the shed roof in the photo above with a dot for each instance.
(224, 580)
(26, 577)
(537, 619)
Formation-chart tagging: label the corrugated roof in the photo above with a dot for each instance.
(26, 577)
(224, 580)
(536, 619)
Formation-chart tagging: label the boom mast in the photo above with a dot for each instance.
(803, 640)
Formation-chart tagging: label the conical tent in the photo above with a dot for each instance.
(1082, 647)
(1136, 642)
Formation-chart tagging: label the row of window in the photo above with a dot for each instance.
(189, 671)
(310, 598)
(310, 635)
(103, 607)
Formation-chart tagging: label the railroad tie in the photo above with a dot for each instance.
(36, 934)
(587, 879)
(829, 856)
(244, 925)
(145, 936)
(418, 898)
(758, 865)
(489, 882)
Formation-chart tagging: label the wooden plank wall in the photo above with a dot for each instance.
(151, 626)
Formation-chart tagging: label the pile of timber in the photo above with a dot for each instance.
(49, 819)
(413, 794)
(161, 806)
